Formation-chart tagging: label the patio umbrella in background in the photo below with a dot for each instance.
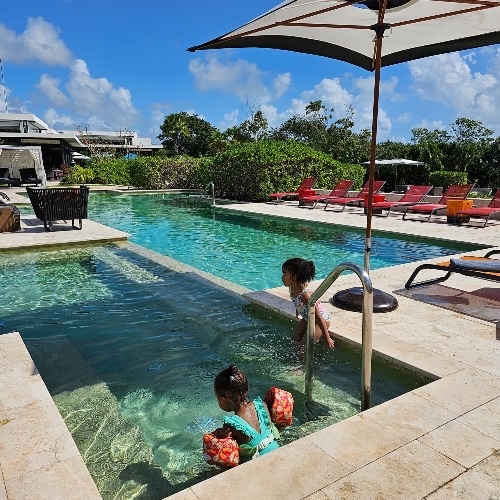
(395, 162)
(340, 29)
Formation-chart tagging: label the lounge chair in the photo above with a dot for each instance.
(454, 192)
(476, 267)
(29, 176)
(5, 177)
(339, 190)
(414, 195)
(52, 204)
(493, 209)
(307, 183)
(354, 200)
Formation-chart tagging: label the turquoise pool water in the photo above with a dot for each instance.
(129, 350)
(248, 250)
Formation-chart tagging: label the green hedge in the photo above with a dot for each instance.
(444, 178)
(246, 172)
(250, 171)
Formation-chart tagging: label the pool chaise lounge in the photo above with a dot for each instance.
(340, 190)
(454, 192)
(475, 267)
(414, 195)
(486, 213)
(354, 200)
(306, 184)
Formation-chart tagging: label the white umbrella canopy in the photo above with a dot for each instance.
(344, 30)
(395, 162)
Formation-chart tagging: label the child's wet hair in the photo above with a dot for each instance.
(232, 384)
(301, 269)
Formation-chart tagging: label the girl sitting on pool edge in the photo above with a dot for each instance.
(251, 426)
(297, 274)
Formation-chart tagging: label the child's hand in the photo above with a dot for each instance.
(223, 433)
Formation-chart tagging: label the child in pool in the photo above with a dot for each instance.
(251, 425)
(297, 274)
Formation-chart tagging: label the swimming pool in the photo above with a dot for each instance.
(249, 250)
(129, 350)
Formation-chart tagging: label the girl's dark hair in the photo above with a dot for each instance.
(232, 384)
(301, 269)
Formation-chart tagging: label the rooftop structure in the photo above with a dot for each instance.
(26, 129)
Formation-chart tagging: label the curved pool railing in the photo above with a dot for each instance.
(366, 336)
(206, 190)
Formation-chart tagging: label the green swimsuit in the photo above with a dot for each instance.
(261, 442)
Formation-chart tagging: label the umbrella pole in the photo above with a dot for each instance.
(373, 147)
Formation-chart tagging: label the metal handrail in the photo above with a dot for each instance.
(210, 184)
(366, 335)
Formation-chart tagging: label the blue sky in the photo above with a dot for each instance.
(113, 65)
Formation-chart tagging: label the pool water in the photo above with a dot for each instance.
(249, 250)
(129, 350)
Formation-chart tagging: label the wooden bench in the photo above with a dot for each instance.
(52, 204)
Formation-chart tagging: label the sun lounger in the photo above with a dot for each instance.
(355, 200)
(307, 183)
(476, 267)
(454, 192)
(414, 195)
(53, 204)
(339, 190)
(5, 177)
(29, 176)
(486, 213)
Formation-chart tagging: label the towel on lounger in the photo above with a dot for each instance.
(487, 265)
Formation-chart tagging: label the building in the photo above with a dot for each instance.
(26, 129)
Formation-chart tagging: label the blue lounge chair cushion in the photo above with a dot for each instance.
(488, 265)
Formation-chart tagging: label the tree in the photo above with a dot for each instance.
(310, 128)
(470, 141)
(185, 134)
(430, 147)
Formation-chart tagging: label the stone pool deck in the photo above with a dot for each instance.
(439, 441)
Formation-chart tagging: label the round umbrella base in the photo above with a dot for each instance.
(352, 300)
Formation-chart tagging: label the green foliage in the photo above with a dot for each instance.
(185, 134)
(250, 171)
(78, 175)
(444, 178)
(110, 171)
(489, 175)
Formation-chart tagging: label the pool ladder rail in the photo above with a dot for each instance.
(208, 193)
(366, 335)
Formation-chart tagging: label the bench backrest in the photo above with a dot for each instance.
(52, 204)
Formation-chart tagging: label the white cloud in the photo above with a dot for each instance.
(281, 84)
(230, 120)
(241, 78)
(448, 79)
(363, 105)
(51, 116)
(95, 100)
(50, 87)
(39, 42)
(431, 125)
(330, 92)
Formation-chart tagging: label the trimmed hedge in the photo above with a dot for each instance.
(251, 171)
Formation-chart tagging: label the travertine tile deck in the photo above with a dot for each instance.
(439, 441)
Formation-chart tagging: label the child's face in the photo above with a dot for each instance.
(287, 278)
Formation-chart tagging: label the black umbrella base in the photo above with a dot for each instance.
(352, 300)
